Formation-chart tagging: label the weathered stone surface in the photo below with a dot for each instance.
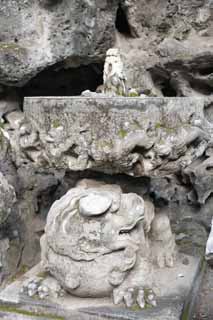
(36, 34)
(8, 103)
(82, 133)
(15, 119)
(94, 204)
(209, 247)
(175, 292)
(179, 17)
(7, 199)
(108, 251)
(140, 137)
(170, 52)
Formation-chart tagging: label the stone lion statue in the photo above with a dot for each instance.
(100, 241)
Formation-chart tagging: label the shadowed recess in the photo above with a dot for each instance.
(56, 81)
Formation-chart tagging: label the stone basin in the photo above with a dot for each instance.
(135, 136)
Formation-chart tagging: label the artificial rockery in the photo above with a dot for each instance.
(115, 184)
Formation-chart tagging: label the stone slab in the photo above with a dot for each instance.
(174, 288)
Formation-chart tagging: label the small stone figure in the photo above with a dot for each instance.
(114, 78)
(99, 241)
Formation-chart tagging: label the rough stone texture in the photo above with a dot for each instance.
(209, 246)
(9, 102)
(167, 46)
(112, 248)
(36, 34)
(178, 188)
(174, 292)
(204, 308)
(20, 225)
(168, 50)
(7, 199)
(140, 137)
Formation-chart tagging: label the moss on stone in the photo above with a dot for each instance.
(133, 94)
(158, 125)
(56, 123)
(42, 274)
(11, 47)
(185, 315)
(11, 309)
(122, 133)
(135, 308)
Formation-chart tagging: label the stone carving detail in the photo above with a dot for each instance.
(99, 241)
(153, 137)
(140, 137)
(114, 77)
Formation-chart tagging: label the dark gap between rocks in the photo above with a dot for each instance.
(57, 81)
(161, 80)
(167, 89)
(121, 22)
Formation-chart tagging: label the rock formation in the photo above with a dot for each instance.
(7, 199)
(157, 148)
(148, 138)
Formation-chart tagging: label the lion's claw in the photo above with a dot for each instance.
(131, 296)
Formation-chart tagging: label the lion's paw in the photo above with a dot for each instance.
(132, 296)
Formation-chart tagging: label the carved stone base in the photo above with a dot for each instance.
(176, 287)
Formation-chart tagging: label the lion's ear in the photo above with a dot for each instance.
(149, 214)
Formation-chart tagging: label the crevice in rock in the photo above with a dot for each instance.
(205, 71)
(48, 3)
(45, 199)
(121, 22)
(201, 87)
(57, 81)
(139, 185)
(208, 112)
(167, 89)
(162, 82)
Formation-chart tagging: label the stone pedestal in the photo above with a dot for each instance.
(175, 288)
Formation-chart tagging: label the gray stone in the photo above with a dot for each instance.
(209, 247)
(36, 34)
(136, 136)
(15, 119)
(169, 47)
(94, 204)
(8, 104)
(112, 250)
(170, 304)
(7, 199)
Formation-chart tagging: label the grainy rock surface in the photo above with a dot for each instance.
(169, 46)
(167, 51)
(7, 199)
(36, 34)
(136, 136)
